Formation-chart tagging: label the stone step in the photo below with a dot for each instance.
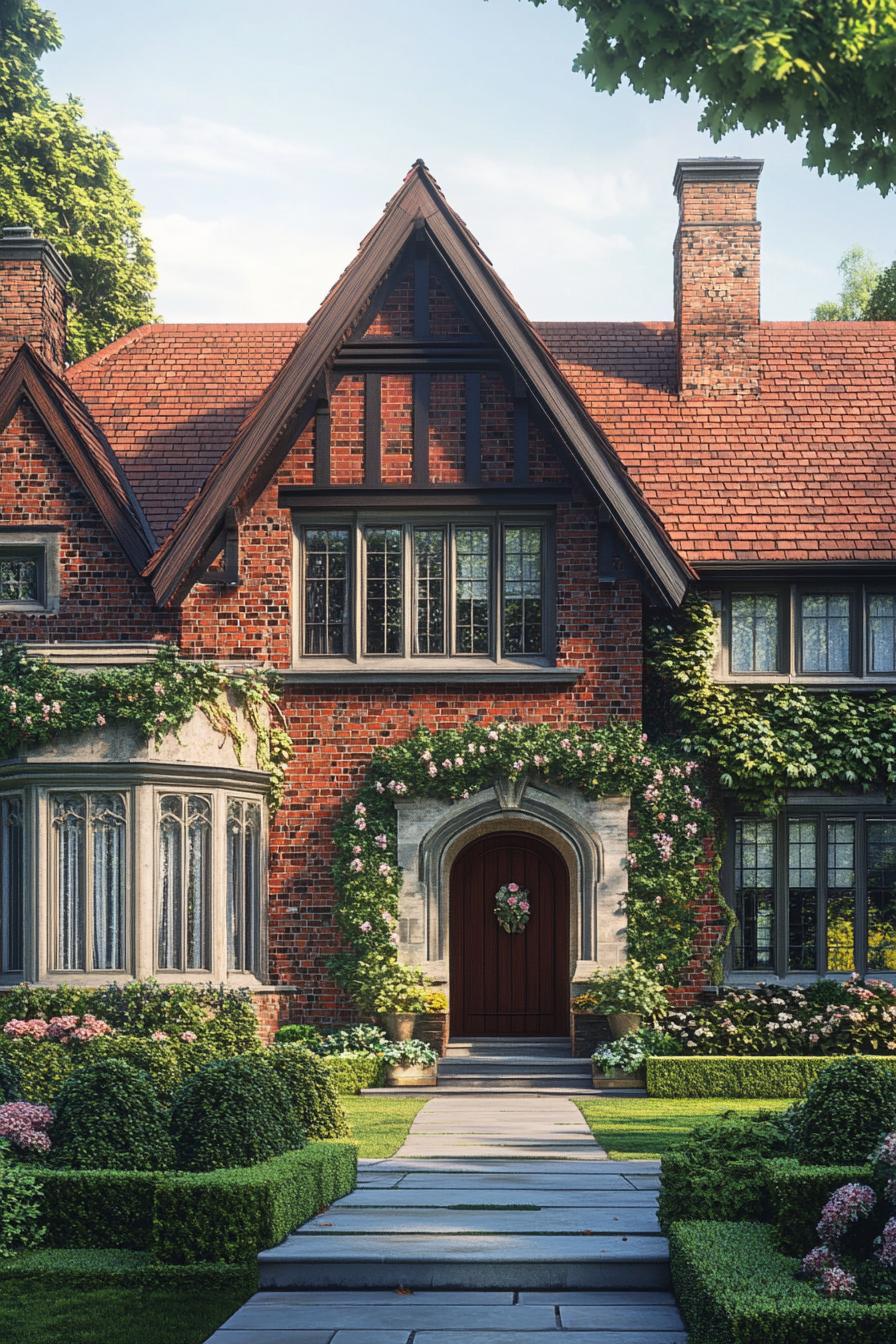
(462, 1196)
(558, 1047)
(486, 1088)
(521, 1064)
(492, 1166)
(390, 1220)
(502, 1261)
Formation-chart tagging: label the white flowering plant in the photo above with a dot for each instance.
(512, 907)
(856, 1016)
(631, 1051)
(668, 869)
(409, 1052)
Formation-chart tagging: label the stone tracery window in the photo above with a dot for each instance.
(89, 864)
(11, 886)
(185, 874)
(244, 882)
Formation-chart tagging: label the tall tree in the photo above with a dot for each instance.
(823, 69)
(62, 178)
(882, 300)
(859, 274)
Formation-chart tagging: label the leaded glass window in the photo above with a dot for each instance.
(383, 589)
(841, 894)
(327, 570)
(802, 899)
(523, 590)
(754, 632)
(882, 632)
(12, 879)
(472, 589)
(754, 894)
(90, 858)
(244, 884)
(881, 865)
(429, 589)
(21, 576)
(825, 632)
(184, 881)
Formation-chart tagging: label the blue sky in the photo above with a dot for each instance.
(264, 138)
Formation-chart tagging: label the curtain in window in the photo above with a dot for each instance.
(107, 829)
(244, 850)
(12, 959)
(69, 832)
(199, 833)
(184, 881)
(171, 835)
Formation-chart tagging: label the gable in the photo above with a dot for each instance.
(417, 229)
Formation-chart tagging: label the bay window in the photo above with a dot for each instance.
(814, 891)
(184, 868)
(451, 588)
(244, 882)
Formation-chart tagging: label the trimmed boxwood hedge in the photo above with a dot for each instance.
(796, 1194)
(351, 1072)
(764, 1077)
(735, 1287)
(43, 1066)
(231, 1214)
(190, 1217)
(79, 1270)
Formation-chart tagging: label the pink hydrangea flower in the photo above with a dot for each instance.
(25, 1126)
(188, 1037)
(836, 1282)
(845, 1207)
(159, 1036)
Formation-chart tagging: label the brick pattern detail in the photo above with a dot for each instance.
(717, 289)
(32, 308)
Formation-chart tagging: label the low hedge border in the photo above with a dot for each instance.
(735, 1287)
(78, 1270)
(796, 1195)
(351, 1072)
(762, 1077)
(191, 1217)
(43, 1066)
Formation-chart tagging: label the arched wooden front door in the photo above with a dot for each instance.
(509, 984)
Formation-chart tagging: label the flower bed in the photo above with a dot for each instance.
(734, 1286)
(761, 1077)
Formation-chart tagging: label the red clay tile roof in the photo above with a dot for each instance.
(806, 472)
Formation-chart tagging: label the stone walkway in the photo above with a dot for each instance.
(500, 1221)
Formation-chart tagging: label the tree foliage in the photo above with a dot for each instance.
(62, 178)
(819, 69)
(867, 294)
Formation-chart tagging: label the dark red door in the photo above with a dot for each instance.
(509, 984)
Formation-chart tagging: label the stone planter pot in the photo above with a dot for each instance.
(399, 1026)
(589, 1030)
(412, 1075)
(617, 1078)
(433, 1029)
(622, 1023)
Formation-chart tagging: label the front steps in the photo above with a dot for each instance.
(514, 1226)
(511, 1064)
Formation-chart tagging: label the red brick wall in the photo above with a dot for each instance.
(100, 596)
(717, 289)
(32, 308)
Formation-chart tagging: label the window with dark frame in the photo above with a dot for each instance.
(881, 632)
(22, 576)
(12, 886)
(446, 589)
(814, 892)
(825, 625)
(755, 639)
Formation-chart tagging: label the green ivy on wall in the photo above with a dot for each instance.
(667, 869)
(761, 742)
(39, 701)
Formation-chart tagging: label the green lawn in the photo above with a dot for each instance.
(35, 1313)
(650, 1126)
(380, 1125)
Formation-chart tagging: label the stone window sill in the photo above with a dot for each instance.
(424, 673)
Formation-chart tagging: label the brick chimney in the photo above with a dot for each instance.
(33, 281)
(717, 277)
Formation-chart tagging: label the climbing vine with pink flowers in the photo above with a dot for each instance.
(668, 872)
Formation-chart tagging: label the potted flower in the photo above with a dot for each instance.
(432, 1024)
(621, 1063)
(589, 1027)
(400, 997)
(627, 994)
(411, 1064)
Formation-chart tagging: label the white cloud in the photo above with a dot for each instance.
(195, 144)
(584, 193)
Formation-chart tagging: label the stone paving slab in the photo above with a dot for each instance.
(407, 1197)
(392, 1165)
(225, 1336)
(606, 1297)
(410, 1315)
(630, 1317)
(437, 1222)
(376, 1297)
(561, 1336)
(420, 1180)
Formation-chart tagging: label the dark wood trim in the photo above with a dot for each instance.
(473, 428)
(520, 433)
(373, 430)
(416, 356)
(422, 389)
(322, 443)
(404, 497)
(421, 286)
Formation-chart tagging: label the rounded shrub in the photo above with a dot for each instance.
(108, 1115)
(10, 1081)
(847, 1109)
(317, 1110)
(233, 1113)
(298, 1034)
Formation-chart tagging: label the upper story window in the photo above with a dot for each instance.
(812, 632)
(814, 890)
(405, 589)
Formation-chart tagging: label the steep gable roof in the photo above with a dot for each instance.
(84, 446)
(272, 424)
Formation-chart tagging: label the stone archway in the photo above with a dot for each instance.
(590, 834)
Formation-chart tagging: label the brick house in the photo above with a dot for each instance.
(420, 508)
